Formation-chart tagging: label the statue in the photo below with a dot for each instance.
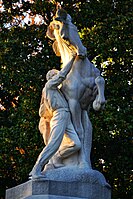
(54, 108)
(82, 86)
(63, 168)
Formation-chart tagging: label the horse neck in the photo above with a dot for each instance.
(65, 51)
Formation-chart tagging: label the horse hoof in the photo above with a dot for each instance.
(96, 106)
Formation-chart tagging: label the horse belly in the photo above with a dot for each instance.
(73, 88)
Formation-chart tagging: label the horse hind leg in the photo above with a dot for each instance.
(99, 102)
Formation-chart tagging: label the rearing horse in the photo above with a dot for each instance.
(83, 85)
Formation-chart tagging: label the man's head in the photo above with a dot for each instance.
(51, 73)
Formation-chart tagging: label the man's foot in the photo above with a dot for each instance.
(57, 161)
(36, 172)
(49, 166)
(34, 177)
(57, 165)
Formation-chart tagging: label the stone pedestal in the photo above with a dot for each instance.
(57, 189)
(69, 184)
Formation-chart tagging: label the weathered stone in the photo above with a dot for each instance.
(39, 189)
(51, 197)
(83, 183)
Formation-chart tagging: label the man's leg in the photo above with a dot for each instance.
(72, 143)
(58, 126)
(44, 128)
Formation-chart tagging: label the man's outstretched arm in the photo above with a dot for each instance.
(58, 79)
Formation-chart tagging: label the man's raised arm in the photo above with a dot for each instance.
(61, 75)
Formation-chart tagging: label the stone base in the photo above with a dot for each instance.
(64, 184)
(51, 197)
(55, 189)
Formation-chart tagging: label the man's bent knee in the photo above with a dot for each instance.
(77, 146)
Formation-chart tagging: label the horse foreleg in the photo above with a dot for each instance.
(76, 114)
(99, 102)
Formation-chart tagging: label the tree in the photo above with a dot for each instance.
(25, 59)
(26, 55)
